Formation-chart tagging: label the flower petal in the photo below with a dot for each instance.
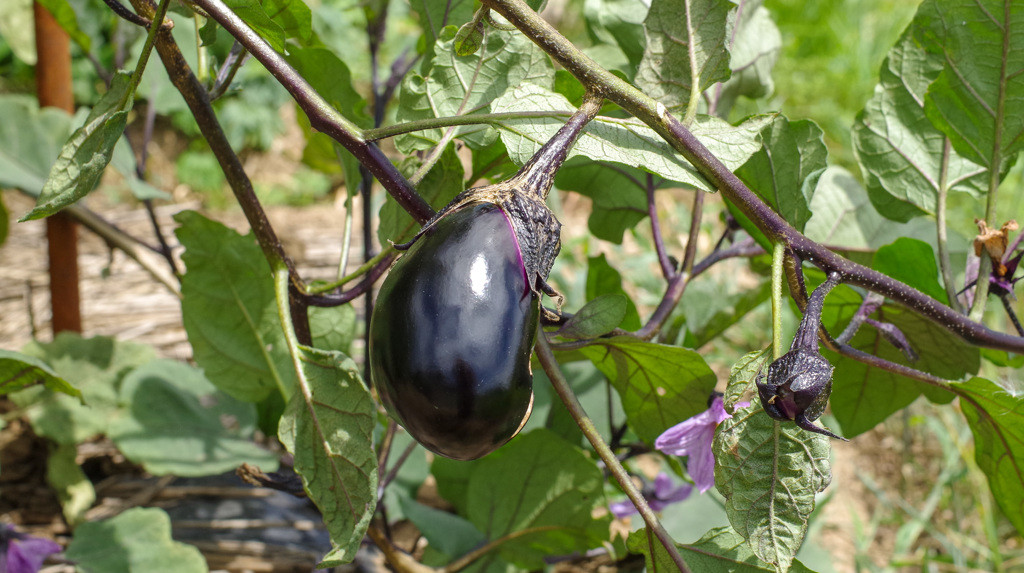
(27, 555)
(621, 509)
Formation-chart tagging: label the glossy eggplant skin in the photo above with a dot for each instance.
(452, 333)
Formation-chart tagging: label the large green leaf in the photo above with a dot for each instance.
(603, 279)
(624, 141)
(911, 262)
(904, 158)
(786, 170)
(136, 541)
(845, 220)
(617, 192)
(440, 185)
(754, 47)
(253, 13)
(709, 307)
(720, 550)
(977, 100)
(332, 79)
(462, 85)
(74, 490)
(768, 471)
(996, 417)
(435, 15)
(548, 488)
(599, 316)
(18, 30)
(660, 385)
(87, 152)
(294, 18)
(328, 427)
(229, 311)
(686, 49)
(446, 532)
(173, 421)
(619, 22)
(96, 366)
(19, 371)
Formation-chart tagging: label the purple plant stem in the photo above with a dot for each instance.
(667, 269)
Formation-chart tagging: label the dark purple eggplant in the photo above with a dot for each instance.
(452, 335)
(456, 319)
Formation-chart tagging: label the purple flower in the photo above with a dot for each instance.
(659, 496)
(21, 553)
(693, 438)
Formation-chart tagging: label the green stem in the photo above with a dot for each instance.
(940, 224)
(572, 403)
(691, 107)
(471, 119)
(362, 270)
(147, 49)
(284, 312)
(778, 278)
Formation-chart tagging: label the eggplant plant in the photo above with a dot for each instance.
(486, 108)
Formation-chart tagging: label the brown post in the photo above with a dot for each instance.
(53, 86)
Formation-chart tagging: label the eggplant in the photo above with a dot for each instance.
(456, 318)
(452, 335)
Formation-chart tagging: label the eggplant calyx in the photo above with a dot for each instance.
(522, 198)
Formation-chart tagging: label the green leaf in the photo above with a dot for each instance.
(253, 14)
(469, 38)
(229, 311)
(19, 371)
(332, 79)
(863, 396)
(721, 549)
(65, 476)
(754, 49)
(65, 15)
(548, 487)
(599, 316)
(435, 15)
(136, 541)
(786, 170)
(333, 328)
(617, 193)
(904, 157)
(911, 262)
(87, 152)
(686, 49)
(441, 184)
(294, 18)
(453, 480)
(328, 427)
(446, 532)
(603, 279)
(845, 220)
(619, 22)
(708, 308)
(175, 422)
(768, 471)
(624, 141)
(17, 28)
(208, 33)
(660, 385)
(96, 366)
(979, 107)
(462, 85)
(1002, 358)
(996, 417)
